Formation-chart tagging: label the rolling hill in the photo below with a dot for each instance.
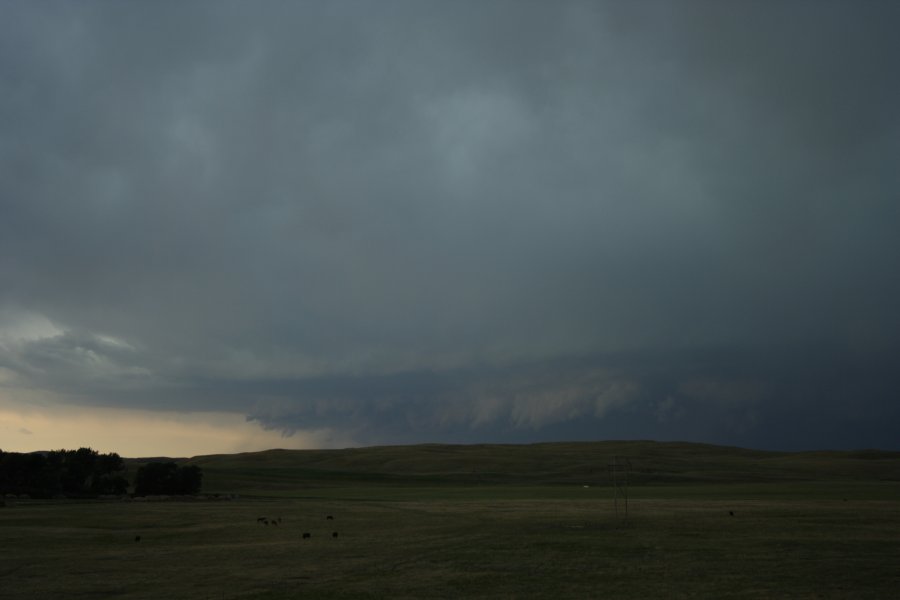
(652, 464)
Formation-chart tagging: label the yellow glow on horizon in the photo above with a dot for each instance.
(144, 433)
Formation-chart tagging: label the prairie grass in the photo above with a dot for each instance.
(505, 546)
(419, 526)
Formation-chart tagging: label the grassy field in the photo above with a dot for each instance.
(479, 521)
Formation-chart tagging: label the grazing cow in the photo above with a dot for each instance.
(731, 513)
(306, 535)
(137, 538)
(260, 519)
(274, 522)
(334, 535)
(329, 518)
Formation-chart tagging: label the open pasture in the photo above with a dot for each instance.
(552, 545)
(826, 538)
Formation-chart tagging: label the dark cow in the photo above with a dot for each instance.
(137, 538)
(334, 535)
(306, 535)
(329, 518)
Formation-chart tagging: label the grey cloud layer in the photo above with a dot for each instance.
(235, 193)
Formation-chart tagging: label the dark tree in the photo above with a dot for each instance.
(76, 469)
(189, 479)
(79, 473)
(154, 478)
(24, 474)
(167, 478)
(108, 478)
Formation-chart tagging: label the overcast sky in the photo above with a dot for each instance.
(233, 226)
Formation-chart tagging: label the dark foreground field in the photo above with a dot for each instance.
(463, 522)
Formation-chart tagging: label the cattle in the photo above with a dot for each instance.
(260, 519)
(334, 535)
(731, 513)
(329, 518)
(306, 535)
(137, 538)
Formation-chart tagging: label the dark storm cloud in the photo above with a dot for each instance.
(791, 397)
(409, 218)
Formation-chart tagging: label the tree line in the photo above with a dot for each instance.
(85, 473)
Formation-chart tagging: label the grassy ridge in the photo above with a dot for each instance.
(582, 463)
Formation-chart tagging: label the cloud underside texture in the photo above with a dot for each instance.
(458, 221)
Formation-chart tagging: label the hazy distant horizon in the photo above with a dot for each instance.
(453, 444)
